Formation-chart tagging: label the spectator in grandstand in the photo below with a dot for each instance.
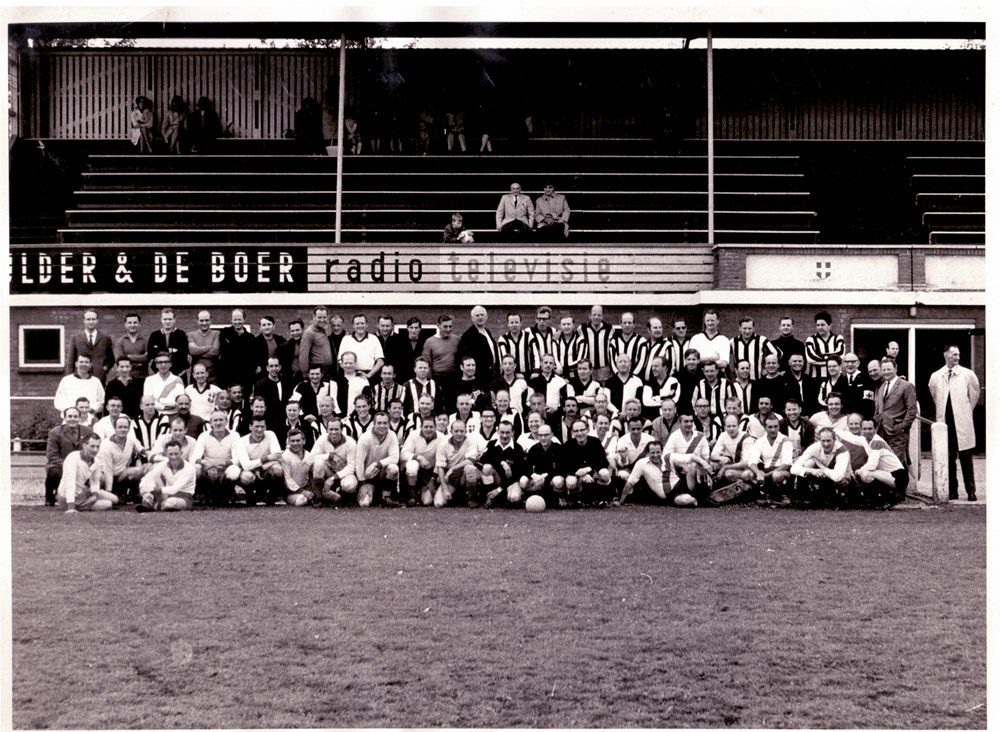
(824, 471)
(752, 347)
(515, 214)
(170, 485)
(201, 393)
(93, 343)
(822, 345)
(659, 387)
(80, 486)
(216, 457)
(653, 345)
(204, 126)
(194, 424)
(455, 129)
(955, 390)
(170, 340)
(309, 127)
(62, 440)
(688, 454)
(586, 467)
(799, 385)
(174, 126)
(289, 352)
(140, 122)
(261, 471)
(786, 342)
(268, 344)
(125, 388)
(377, 463)
(120, 457)
(203, 345)
(895, 410)
(237, 353)
(770, 459)
(352, 135)
(405, 347)
(150, 424)
(543, 467)
(568, 347)
(334, 471)
(366, 348)
(679, 344)
(710, 343)
(80, 383)
(132, 345)
(551, 215)
(178, 433)
(666, 421)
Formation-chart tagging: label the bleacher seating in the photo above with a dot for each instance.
(629, 197)
(950, 198)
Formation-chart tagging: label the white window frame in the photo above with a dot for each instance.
(911, 336)
(22, 363)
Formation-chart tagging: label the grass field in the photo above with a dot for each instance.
(635, 617)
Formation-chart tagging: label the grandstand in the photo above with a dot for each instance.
(851, 180)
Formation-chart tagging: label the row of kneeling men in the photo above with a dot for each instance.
(852, 466)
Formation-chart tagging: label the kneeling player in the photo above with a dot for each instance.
(80, 487)
(647, 473)
(503, 467)
(543, 469)
(261, 474)
(334, 473)
(585, 463)
(883, 478)
(688, 456)
(419, 455)
(770, 461)
(458, 467)
(296, 464)
(169, 485)
(216, 459)
(377, 463)
(825, 468)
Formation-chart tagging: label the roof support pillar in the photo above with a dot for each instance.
(340, 137)
(710, 120)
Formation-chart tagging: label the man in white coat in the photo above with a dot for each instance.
(955, 390)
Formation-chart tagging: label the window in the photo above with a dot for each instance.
(41, 347)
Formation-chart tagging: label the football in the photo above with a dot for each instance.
(685, 500)
(466, 237)
(535, 504)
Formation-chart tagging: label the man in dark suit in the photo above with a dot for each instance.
(94, 344)
(478, 342)
(275, 390)
(895, 410)
(172, 340)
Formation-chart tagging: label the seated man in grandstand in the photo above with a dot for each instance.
(543, 467)
(201, 393)
(419, 458)
(261, 471)
(80, 383)
(515, 214)
(551, 215)
(729, 462)
(586, 467)
(630, 447)
(883, 479)
(169, 486)
(503, 468)
(296, 465)
(458, 468)
(334, 472)
(834, 416)
(63, 439)
(120, 457)
(163, 386)
(309, 392)
(105, 426)
(178, 433)
(770, 460)
(667, 421)
(661, 386)
(217, 462)
(824, 470)
(647, 476)
(688, 455)
(80, 486)
(377, 463)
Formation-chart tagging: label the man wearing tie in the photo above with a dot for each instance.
(955, 390)
(895, 410)
(515, 213)
(95, 345)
